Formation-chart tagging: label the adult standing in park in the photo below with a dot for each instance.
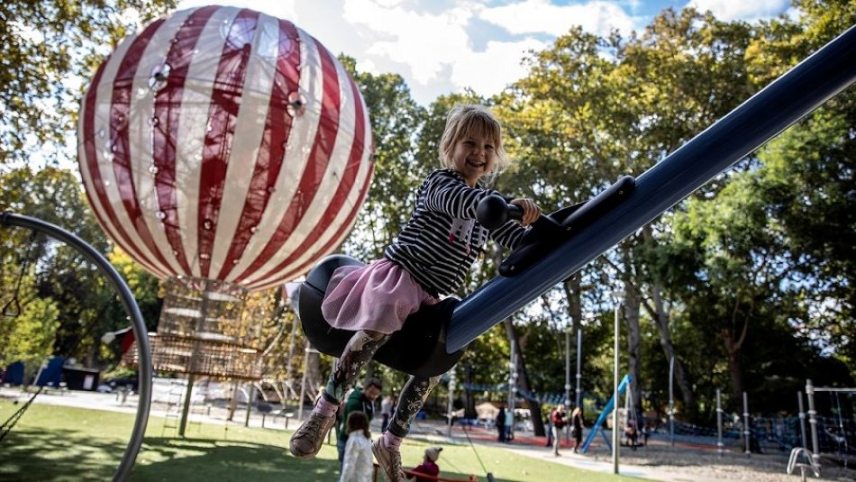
(549, 442)
(500, 423)
(509, 425)
(559, 419)
(386, 411)
(578, 423)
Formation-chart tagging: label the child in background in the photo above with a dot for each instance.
(430, 257)
(429, 465)
(357, 465)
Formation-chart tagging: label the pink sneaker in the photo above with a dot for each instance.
(307, 440)
(389, 460)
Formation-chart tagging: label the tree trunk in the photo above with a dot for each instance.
(631, 314)
(661, 321)
(289, 357)
(313, 376)
(233, 402)
(574, 293)
(733, 346)
(523, 379)
(735, 369)
(469, 398)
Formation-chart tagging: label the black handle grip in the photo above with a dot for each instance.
(494, 211)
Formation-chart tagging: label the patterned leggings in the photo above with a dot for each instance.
(358, 352)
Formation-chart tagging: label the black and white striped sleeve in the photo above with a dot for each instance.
(509, 234)
(446, 193)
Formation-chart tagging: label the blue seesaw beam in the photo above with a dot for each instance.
(598, 426)
(782, 103)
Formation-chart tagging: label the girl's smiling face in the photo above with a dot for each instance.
(474, 156)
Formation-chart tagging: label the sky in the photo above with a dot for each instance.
(443, 46)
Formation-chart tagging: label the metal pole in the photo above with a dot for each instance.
(672, 400)
(615, 449)
(812, 422)
(568, 377)
(250, 398)
(579, 365)
(303, 386)
(512, 389)
(778, 105)
(746, 423)
(568, 366)
(451, 406)
(718, 423)
(185, 408)
(802, 420)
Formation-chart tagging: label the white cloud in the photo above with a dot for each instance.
(434, 45)
(541, 16)
(425, 42)
(490, 71)
(441, 47)
(749, 11)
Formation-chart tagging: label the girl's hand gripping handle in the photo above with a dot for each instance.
(494, 211)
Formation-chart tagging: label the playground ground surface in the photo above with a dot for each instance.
(81, 436)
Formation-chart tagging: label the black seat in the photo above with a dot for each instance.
(419, 348)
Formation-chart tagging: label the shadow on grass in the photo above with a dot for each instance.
(218, 460)
(55, 455)
(62, 455)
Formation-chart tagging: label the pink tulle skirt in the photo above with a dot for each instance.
(376, 297)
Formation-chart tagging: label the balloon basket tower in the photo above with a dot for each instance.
(205, 331)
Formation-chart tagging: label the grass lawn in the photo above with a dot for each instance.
(52, 443)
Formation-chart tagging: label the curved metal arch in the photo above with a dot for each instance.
(139, 327)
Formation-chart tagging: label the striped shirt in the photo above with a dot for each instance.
(442, 239)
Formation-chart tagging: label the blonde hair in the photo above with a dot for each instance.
(464, 119)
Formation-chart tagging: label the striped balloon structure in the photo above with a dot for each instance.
(224, 144)
(226, 151)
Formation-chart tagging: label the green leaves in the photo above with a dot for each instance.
(50, 50)
(29, 337)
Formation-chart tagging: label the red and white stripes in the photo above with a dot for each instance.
(226, 144)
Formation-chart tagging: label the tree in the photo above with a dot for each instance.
(88, 305)
(29, 337)
(396, 121)
(593, 108)
(736, 282)
(805, 180)
(48, 48)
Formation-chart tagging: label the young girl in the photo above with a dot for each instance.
(428, 467)
(429, 258)
(357, 464)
